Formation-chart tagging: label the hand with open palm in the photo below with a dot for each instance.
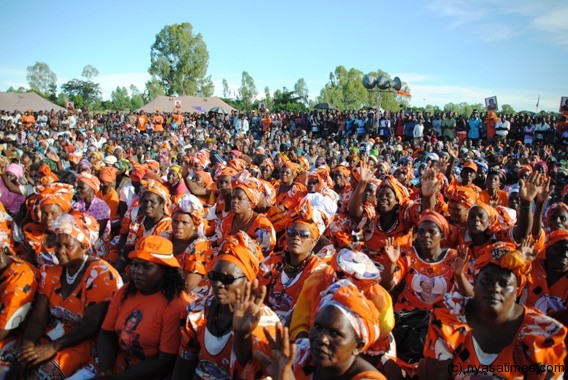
(279, 364)
(366, 170)
(248, 307)
(392, 251)
(461, 260)
(430, 184)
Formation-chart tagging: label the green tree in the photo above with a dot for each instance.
(120, 100)
(136, 99)
(205, 87)
(247, 91)
(268, 99)
(89, 92)
(508, 109)
(179, 59)
(288, 101)
(16, 90)
(226, 89)
(62, 99)
(52, 90)
(40, 78)
(153, 89)
(90, 72)
(301, 89)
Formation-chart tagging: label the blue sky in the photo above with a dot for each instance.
(447, 50)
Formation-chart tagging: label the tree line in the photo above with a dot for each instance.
(179, 61)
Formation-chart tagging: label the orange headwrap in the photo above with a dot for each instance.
(90, 180)
(269, 192)
(386, 166)
(250, 185)
(400, 192)
(47, 176)
(205, 177)
(343, 170)
(304, 164)
(361, 313)
(304, 213)
(224, 172)
(267, 162)
(157, 188)
(138, 172)
(506, 256)
(242, 251)
(238, 164)
(493, 215)
(556, 236)
(153, 165)
(155, 249)
(437, 219)
(190, 204)
(322, 175)
(555, 206)
(293, 166)
(357, 266)
(60, 194)
(201, 158)
(79, 225)
(463, 195)
(108, 174)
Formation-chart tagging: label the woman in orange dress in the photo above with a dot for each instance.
(222, 329)
(191, 247)
(152, 217)
(54, 201)
(284, 273)
(72, 301)
(140, 336)
(289, 191)
(346, 324)
(490, 335)
(242, 217)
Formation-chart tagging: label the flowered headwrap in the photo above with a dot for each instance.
(242, 251)
(555, 236)
(90, 180)
(463, 195)
(176, 169)
(361, 313)
(238, 164)
(493, 215)
(322, 175)
(506, 256)
(304, 213)
(400, 192)
(554, 207)
(60, 194)
(224, 172)
(293, 166)
(343, 170)
(155, 249)
(507, 217)
(437, 219)
(357, 266)
(79, 225)
(201, 158)
(157, 188)
(250, 185)
(267, 162)
(190, 204)
(269, 192)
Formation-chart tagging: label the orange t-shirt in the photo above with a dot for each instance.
(146, 325)
(292, 197)
(112, 200)
(28, 121)
(539, 340)
(141, 122)
(158, 121)
(542, 296)
(283, 291)
(502, 198)
(194, 259)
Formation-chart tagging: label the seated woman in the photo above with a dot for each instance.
(289, 191)
(486, 333)
(152, 217)
(71, 304)
(284, 273)
(222, 329)
(242, 217)
(547, 285)
(53, 201)
(345, 325)
(11, 194)
(87, 187)
(140, 334)
(175, 184)
(191, 247)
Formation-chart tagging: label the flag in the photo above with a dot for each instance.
(538, 101)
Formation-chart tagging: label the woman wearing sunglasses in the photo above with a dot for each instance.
(222, 329)
(284, 273)
(140, 334)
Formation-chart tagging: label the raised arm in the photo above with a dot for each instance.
(366, 173)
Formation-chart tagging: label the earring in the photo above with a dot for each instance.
(355, 352)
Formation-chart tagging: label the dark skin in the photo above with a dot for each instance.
(183, 234)
(87, 193)
(70, 254)
(5, 261)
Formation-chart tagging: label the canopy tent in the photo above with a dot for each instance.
(10, 101)
(188, 104)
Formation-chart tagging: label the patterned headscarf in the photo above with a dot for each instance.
(269, 192)
(47, 176)
(462, 195)
(90, 180)
(555, 236)
(238, 164)
(357, 266)
(304, 213)
(343, 170)
(108, 174)
(400, 192)
(190, 204)
(267, 162)
(322, 175)
(361, 313)
(493, 215)
(506, 256)
(60, 194)
(79, 225)
(250, 185)
(242, 251)
(157, 188)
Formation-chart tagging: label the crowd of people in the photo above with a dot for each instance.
(334, 244)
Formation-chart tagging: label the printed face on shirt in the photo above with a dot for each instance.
(495, 290)
(332, 339)
(183, 227)
(68, 249)
(146, 276)
(48, 214)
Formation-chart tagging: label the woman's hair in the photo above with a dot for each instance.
(172, 284)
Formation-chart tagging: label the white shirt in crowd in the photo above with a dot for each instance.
(502, 128)
(418, 131)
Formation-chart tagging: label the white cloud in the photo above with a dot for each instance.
(109, 82)
(554, 21)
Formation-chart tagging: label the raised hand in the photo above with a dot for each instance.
(461, 261)
(248, 306)
(430, 183)
(530, 187)
(366, 170)
(546, 191)
(283, 353)
(393, 253)
(527, 250)
(452, 150)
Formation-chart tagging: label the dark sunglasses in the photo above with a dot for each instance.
(225, 279)
(302, 234)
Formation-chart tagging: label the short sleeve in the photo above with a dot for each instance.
(17, 295)
(113, 310)
(172, 319)
(102, 282)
